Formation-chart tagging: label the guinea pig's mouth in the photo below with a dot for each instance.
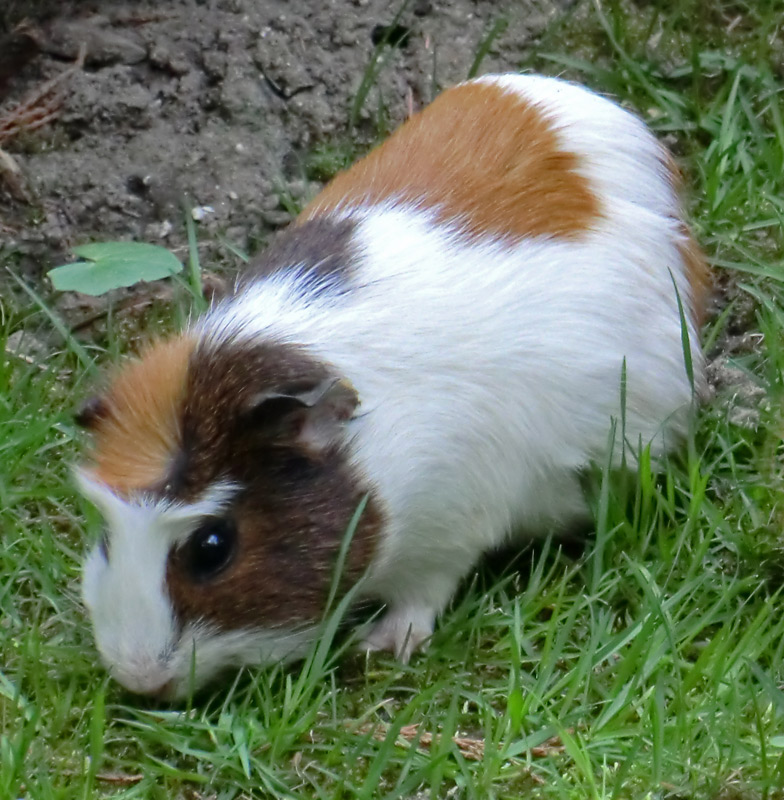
(170, 674)
(150, 678)
(159, 684)
(166, 693)
(201, 654)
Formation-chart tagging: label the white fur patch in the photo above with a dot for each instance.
(215, 650)
(144, 647)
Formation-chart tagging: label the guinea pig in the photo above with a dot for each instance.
(442, 335)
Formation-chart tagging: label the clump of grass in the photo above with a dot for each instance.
(649, 666)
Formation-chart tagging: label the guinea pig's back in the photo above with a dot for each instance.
(634, 176)
(515, 249)
(521, 157)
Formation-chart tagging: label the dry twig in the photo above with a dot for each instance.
(41, 106)
(116, 778)
(37, 109)
(470, 748)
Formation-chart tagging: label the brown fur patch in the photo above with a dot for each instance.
(481, 156)
(293, 505)
(698, 272)
(697, 269)
(321, 249)
(183, 417)
(138, 432)
(290, 521)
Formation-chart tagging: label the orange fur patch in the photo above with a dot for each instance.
(697, 269)
(139, 432)
(477, 154)
(698, 273)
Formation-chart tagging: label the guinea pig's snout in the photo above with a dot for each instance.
(148, 678)
(161, 688)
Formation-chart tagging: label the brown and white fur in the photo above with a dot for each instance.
(443, 330)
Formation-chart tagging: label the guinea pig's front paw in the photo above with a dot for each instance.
(401, 631)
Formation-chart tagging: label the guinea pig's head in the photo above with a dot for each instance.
(223, 477)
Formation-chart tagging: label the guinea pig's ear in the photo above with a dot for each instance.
(314, 415)
(92, 411)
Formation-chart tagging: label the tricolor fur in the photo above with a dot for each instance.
(443, 331)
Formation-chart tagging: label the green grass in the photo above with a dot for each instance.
(648, 666)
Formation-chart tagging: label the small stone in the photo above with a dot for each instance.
(215, 64)
(237, 235)
(103, 45)
(297, 188)
(23, 344)
(270, 202)
(200, 212)
(165, 59)
(158, 230)
(276, 219)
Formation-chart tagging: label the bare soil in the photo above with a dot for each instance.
(220, 102)
(118, 117)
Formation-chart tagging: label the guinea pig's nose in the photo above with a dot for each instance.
(163, 692)
(149, 683)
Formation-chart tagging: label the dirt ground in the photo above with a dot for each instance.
(219, 101)
(116, 114)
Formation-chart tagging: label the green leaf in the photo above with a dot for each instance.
(112, 265)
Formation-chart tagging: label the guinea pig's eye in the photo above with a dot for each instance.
(210, 548)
